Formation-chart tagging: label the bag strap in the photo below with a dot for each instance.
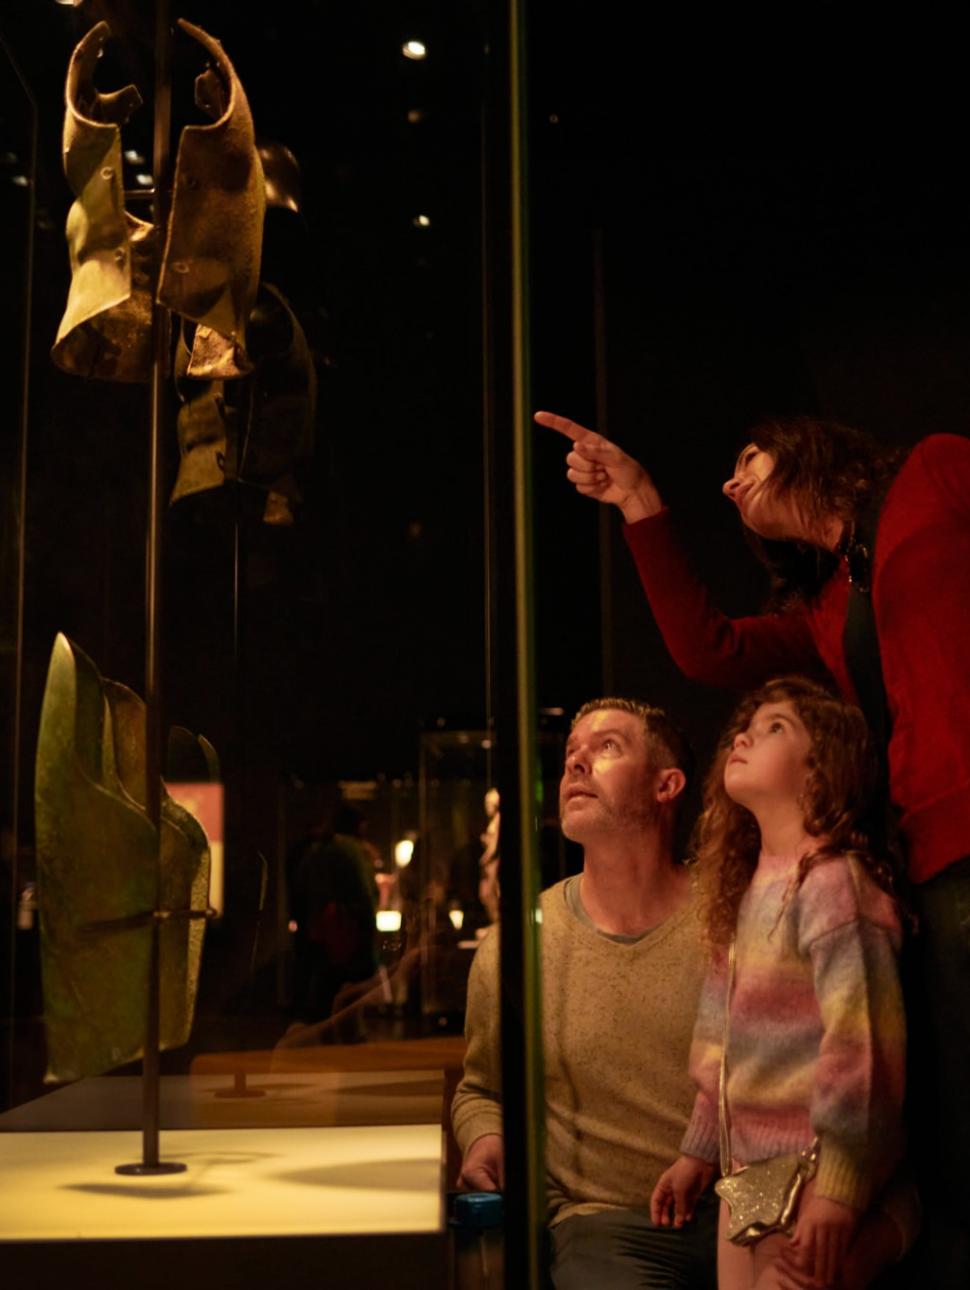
(724, 1128)
(863, 658)
(860, 638)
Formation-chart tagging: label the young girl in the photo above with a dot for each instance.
(815, 1031)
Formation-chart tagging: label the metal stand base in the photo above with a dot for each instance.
(240, 1088)
(141, 1170)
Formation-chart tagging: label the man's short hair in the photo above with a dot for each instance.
(667, 740)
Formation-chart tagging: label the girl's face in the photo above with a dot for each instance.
(768, 764)
(762, 511)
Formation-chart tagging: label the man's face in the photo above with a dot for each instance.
(609, 781)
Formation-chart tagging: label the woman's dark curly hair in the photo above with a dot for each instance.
(842, 778)
(825, 469)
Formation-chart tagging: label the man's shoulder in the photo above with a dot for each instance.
(554, 897)
(552, 904)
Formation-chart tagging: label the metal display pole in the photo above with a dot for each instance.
(509, 440)
(17, 731)
(161, 346)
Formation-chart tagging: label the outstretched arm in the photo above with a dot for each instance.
(704, 643)
(599, 469)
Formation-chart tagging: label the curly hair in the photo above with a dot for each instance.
(842, 779)
(825, 469)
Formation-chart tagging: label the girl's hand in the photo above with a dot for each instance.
(677, 1192)
(822, 1236)
(599, 469)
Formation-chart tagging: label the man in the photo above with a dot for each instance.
(622, 964)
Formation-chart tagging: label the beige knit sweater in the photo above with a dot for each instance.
(618, 1020)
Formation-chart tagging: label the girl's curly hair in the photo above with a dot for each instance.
(842, 779)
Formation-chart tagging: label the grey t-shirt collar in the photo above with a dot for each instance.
(575, 906)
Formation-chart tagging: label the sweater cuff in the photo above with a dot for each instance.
(841, 1178)
(470, 1128)
(702, 1139)
(643, 528)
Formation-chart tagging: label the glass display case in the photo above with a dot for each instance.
(459, 852)
(319, 601)
(228, 564)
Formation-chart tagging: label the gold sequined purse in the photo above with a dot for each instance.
(763, 1197)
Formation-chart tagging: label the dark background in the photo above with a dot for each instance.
(799, 271)
(783, 218)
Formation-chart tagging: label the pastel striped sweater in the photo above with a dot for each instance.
(817, 1031)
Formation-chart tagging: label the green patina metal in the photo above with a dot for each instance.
(103, 878)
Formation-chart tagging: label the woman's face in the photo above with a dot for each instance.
(762, 510)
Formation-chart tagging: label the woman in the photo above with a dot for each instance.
(802, 487)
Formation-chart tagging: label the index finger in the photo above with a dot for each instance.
(571, 429)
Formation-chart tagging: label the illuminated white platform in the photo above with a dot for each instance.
(341, 1206)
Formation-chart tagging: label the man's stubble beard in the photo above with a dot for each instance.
(608, 822)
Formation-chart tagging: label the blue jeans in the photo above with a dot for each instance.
(620, 1249)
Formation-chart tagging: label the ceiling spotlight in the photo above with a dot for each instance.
(403, 852)
(415, 116)
(143, 179)
(415, 50)
(21, 181)
(134, 156)
(388, 920)
(422, 221)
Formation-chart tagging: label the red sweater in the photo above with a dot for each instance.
(921, 597)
